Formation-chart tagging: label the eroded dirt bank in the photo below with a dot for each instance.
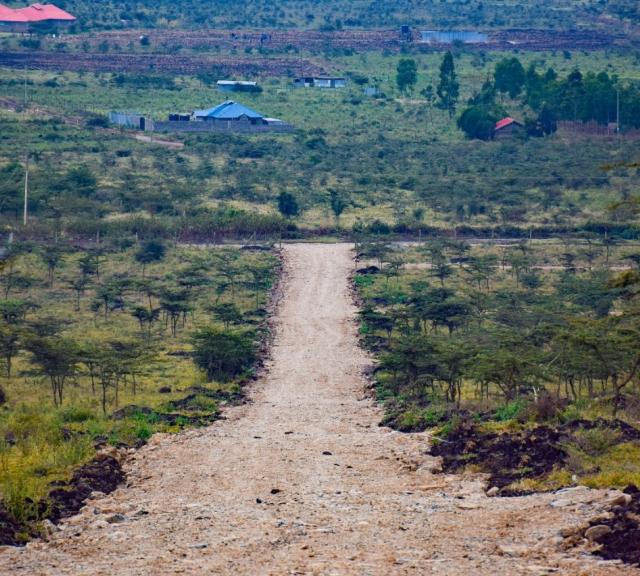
(302, 480)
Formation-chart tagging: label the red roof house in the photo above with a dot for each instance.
(20, 18)
(506, 127)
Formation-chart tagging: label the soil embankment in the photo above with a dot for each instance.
(302, 480)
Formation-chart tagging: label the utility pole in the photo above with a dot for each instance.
(25, 88)
(618, 110)
(25, 215)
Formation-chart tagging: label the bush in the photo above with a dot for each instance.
(510, 411)
(76, 414)
(223, 355)
(596, 441)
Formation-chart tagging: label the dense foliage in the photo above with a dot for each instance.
(336, 14)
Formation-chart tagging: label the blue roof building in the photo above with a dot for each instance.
(228, 110)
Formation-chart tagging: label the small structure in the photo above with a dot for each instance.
(237, 86)
(33, 17)
(405, 33)
(330, 82)
(128, 120)
(372, 91)
(507, 127)
(453, 36)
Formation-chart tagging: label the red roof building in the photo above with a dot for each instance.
(34, 14)
(506, 127)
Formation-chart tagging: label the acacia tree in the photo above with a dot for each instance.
(338, 204)
(79, 285)
(151, 251)
(53, 256)
(146, 317)
(260, 277)
(175, 305)
(57, 359)
(227, 313)
(10, 340)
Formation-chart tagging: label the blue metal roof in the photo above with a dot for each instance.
(228, 110)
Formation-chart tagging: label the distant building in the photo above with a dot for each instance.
(405, 33)
(507, 127)
(33, 17)
(237, 86)
(229, 111)
(320, 82)
(128, 120)
(371, 91)
(453, 36)
(226, 117)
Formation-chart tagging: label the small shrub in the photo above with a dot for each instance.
(410, 420)
(75, 414)
(596, 441)
(143, 431)
(433, 415)
(510, 411)
(545, 408)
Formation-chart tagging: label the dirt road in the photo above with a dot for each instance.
(301, 480)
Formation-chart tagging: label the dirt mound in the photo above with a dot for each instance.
(511, 456)
(102, 474)
(507, 457)
(623, 542)
(65, 499)
(10, 529)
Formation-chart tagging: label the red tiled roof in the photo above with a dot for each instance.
(505, 122)
(34, 13)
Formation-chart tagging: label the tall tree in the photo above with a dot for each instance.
(448, 88)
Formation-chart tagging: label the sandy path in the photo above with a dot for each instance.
(354, 499)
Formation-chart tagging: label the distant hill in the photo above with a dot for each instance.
(335, 14)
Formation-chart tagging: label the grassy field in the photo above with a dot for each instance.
(130, 328)
(397, 159)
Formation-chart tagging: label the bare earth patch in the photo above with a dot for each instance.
(301, 480)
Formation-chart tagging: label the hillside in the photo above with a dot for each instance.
(335, 14)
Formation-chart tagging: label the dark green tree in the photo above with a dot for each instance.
(288, 205)
(510, 76)
(223, 355)
(448, 88)
(406, 75)
(151, 251)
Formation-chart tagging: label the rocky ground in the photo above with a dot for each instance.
(302, 480)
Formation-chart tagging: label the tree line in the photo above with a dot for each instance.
(214, 296)
(496, 329)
